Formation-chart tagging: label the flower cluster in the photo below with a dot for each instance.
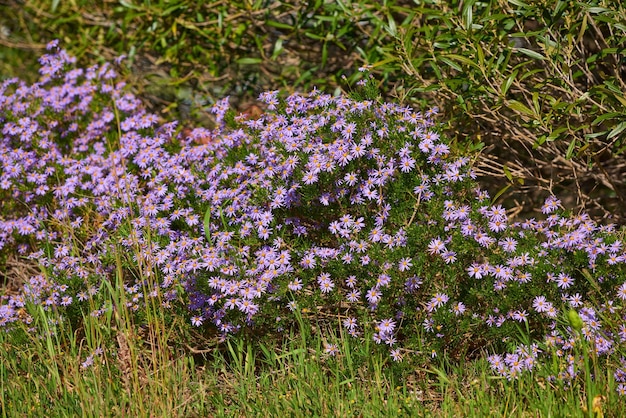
(338, 205)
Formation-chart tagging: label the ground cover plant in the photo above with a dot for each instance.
(346, 212)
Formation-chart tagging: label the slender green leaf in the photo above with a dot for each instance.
(278, 25)
(450, 63)
(597, 10)
(595, 135)
(535, 97)
(583, 28)
(520, 107)
(500, 193)
(555, 134)
(391, 27)
(468, 15)
(519, 3)
(617, 130)
(570, 149)
(249, 61)
(509, 81)
(507, 173)
(621, 99)
(207, 224)
(480, 54)
(461, 58)
(278, 48)
(531, 53)
(606, 116)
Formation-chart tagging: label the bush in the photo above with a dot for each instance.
(349, 210)
(541, 85)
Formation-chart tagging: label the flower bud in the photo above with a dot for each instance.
(575, 320)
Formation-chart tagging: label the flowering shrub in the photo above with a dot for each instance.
(342, 207)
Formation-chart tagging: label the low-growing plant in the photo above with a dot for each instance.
(349, 211)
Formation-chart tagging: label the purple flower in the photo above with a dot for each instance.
(564, 281)
(331, 349)
(373, 296)
(405, 264)
(550, 205)
(386, 326)
(350, 323)
(396, 355)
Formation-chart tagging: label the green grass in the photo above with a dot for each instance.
(141, 373)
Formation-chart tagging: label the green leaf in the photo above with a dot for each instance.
(621, 99)
(539, 141)
(507, 173)
(468, 15)
(207, 224)
(595, 135)
(555, 134)
(583, 28)
(509, 81)
(461, 58)
(128, 5)
(249, 61)
(604, 117)
(278, 48)
(611, 86)
(520, 107)
(500, 193)
(278, 25)
(535, 97)
(597, 10)
(451, 63)
(480, 54)
(391, 28)
(570, 149)
(617, 130)
(531, 53)
(314, 36)
(383, 62)
(519, 3)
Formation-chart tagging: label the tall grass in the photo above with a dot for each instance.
(297, 376)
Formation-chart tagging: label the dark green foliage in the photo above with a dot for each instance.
(539, 84)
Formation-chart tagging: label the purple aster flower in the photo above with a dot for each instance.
(373, 296)
(436, 246)
(405, 264)
(564, 281)
(386, 326)
(476, 270)
(550, 205)
(449, 257)
(350, 323)
(396, 355)
(540, 304)
(458, 308)
(331, 349)
(353, 296)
